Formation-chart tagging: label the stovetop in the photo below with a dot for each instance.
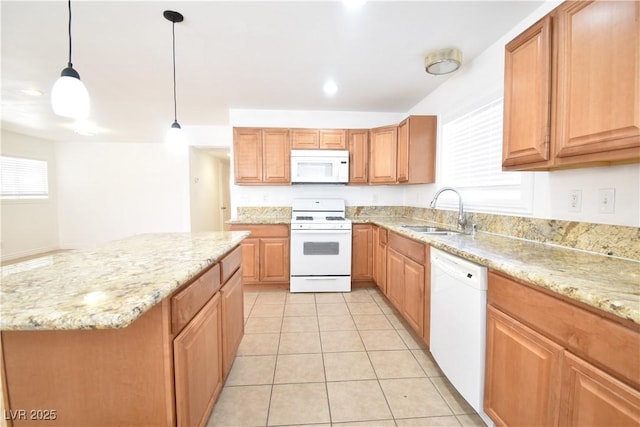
(314, 213)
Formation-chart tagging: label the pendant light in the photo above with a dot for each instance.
(69, 96)
(175, 134)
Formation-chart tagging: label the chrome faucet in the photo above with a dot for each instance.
(462, 220)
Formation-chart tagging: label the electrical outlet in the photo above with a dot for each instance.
(575, 200)
(606, 200)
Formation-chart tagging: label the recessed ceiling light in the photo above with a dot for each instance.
(330, 88)
(32, 92)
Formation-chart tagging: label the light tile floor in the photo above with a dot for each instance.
(333, 359)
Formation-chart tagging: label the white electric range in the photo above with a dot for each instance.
(320, 246)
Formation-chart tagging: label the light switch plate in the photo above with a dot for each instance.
(606, 200)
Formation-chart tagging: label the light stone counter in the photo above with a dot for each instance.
(607, 283)
(107, 286)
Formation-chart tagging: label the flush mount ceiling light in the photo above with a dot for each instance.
(69, 96)
(174, 135)
(443, 61)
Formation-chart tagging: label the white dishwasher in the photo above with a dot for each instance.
(458, 324)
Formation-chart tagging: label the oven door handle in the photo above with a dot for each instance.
(324, 279)
(298, 231)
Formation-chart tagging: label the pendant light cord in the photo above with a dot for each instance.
(175, 104)
(70, 65)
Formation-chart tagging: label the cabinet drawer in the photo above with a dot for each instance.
(408, 247)
(186, 303)
(230, 264)
(277, 230)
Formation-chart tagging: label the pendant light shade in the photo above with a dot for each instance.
(175, 136)
(69, 96)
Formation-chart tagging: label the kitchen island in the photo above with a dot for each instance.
(139, 331)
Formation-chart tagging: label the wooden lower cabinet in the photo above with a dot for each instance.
(362, 252)
(414, 275)
(265, 254)
(407, 281)
(550, 361)
(522, 376)
(164, 369)
(395, 278)
(380, 258)
(594, 398)
(198, 365)
(232, 297)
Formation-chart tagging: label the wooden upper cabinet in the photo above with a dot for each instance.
(305, 139)
(417, 150)
(247, 155)
(527, 96)
(276, 154)
(383, 154)
(312, 139)
(598, 81)
(358, 156)
(262, 156)
(572, 88)
(333, 139)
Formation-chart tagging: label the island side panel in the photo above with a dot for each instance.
(92, 377)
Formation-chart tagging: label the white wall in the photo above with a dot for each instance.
(113, 190)
(30, 226)
(283, 195)
(480, 81)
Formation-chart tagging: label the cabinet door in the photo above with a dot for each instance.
(333, 139)
(403, 151)
(358, 156)
(426, 323)
(383, 155)
(395, 278)
(250, 260)
(305, 139)
(522, 375)
(414, 295)
(362, 252)
(274, 259)
(527, 96)
(232, 320)
(198, 365)
(276, 155)
(594, 398)
(598, 99)
(247, 155)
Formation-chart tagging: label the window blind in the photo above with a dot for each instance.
(22, 178)
(472, 162)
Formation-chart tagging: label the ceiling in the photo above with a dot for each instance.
(231, 54)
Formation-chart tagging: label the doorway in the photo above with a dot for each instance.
(209, 188)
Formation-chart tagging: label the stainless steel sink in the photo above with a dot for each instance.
(429, 230)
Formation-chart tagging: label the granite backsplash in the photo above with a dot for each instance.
(614, 240)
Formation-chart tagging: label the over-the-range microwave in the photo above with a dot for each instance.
(320, 166)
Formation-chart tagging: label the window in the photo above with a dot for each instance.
(23, 178)
(472, 163)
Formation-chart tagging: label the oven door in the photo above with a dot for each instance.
(320, 252)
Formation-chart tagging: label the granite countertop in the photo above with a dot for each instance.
(107, 286)
(606, 283)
